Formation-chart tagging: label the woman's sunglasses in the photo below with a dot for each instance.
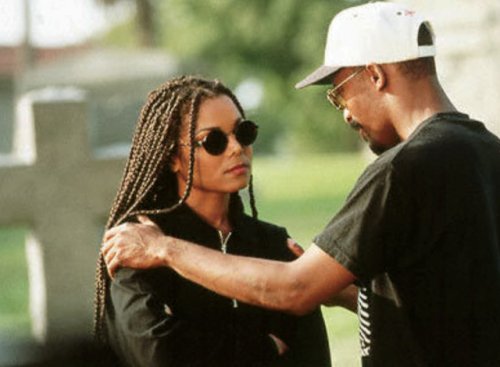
(215, 142)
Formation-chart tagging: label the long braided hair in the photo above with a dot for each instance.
(148, 185)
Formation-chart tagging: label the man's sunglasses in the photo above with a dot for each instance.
(333, 94)
(215, 142)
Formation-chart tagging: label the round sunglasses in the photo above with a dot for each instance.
(215, 142)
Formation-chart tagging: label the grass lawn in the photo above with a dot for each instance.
(301, 194)
(14, 308)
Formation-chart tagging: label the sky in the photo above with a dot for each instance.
(56, 23)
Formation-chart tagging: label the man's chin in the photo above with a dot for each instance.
(377, 148)
(374, 146)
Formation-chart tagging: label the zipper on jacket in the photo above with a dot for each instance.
(223, 247)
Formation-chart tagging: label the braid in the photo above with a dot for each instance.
(193, 116)
(255, 214)
(147, 174)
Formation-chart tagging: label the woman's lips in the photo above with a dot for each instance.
(238, 169)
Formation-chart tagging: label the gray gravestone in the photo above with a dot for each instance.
(54, 185)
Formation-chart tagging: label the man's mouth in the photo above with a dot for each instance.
(355, 125)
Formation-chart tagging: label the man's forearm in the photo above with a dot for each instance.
(296, 287)
(265, 283)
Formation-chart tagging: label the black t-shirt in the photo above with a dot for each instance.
(421, 232)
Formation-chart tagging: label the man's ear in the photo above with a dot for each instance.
(377, 75)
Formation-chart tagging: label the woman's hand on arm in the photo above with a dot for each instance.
(280, 344)
(295, 248)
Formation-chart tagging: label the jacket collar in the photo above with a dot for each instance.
(185, 221)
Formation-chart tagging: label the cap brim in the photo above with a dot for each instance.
(319, 76)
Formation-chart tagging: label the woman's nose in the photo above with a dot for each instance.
(234, 145)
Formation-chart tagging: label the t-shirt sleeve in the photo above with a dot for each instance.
(365, 236)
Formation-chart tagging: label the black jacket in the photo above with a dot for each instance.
(157, 318)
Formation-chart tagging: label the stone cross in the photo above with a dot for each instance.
(53, 185)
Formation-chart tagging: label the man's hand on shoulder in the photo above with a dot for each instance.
(135, 245)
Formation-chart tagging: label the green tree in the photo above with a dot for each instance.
(145, 20)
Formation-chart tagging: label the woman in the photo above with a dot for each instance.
(190, 156)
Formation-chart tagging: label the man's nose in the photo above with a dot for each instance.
(347, 115)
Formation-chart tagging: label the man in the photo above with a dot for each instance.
(420, 231)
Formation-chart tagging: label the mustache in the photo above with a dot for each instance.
(355, 125)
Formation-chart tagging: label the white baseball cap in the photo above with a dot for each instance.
(377, 33)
